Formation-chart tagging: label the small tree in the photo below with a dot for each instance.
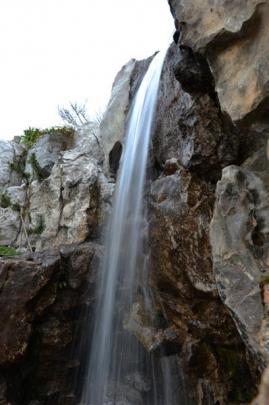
(75, 115)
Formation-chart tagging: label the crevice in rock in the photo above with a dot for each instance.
(114, 158)
(61, 197)
(193, 73)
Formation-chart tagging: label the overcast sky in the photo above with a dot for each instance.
(56, 51)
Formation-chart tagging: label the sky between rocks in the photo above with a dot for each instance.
(56, 51)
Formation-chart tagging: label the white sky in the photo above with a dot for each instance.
(56, 51)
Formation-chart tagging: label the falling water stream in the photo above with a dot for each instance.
(120, 371)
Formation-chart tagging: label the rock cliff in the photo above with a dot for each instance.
(207, 195)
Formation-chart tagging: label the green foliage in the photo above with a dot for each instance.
(5, 201)
(8, 251)
(31, 135)
(36, 167)
(40, 227)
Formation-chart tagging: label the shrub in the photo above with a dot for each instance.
(31, 135)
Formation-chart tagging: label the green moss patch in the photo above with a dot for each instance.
(8, 251)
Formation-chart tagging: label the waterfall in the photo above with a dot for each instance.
(120, 370)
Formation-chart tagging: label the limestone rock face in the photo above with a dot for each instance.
(234, 37)
(114, 121)
(113, 125)
(10, 152)
(46, 152)
(239, 238)
(60, 197)
(7, 155)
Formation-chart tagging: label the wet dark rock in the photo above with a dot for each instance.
(171, 166)
(190, 128)
(41, 302)
(193, 73)
(3, 391)
(21, 281)
(263, 397)
(184, 285)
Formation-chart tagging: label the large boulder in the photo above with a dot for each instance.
(234, 38)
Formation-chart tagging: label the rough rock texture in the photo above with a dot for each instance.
(54, 200)
(113, 125)
(263, 397)
(234, 37)
(40, 302)
(61, 196)
(207, 196)
(192, 142)
(191, 128)
(9, 153)
(239, 237)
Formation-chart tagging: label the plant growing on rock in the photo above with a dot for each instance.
(31, 135)
(8, 251)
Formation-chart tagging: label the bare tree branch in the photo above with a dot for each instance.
(75, 115)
